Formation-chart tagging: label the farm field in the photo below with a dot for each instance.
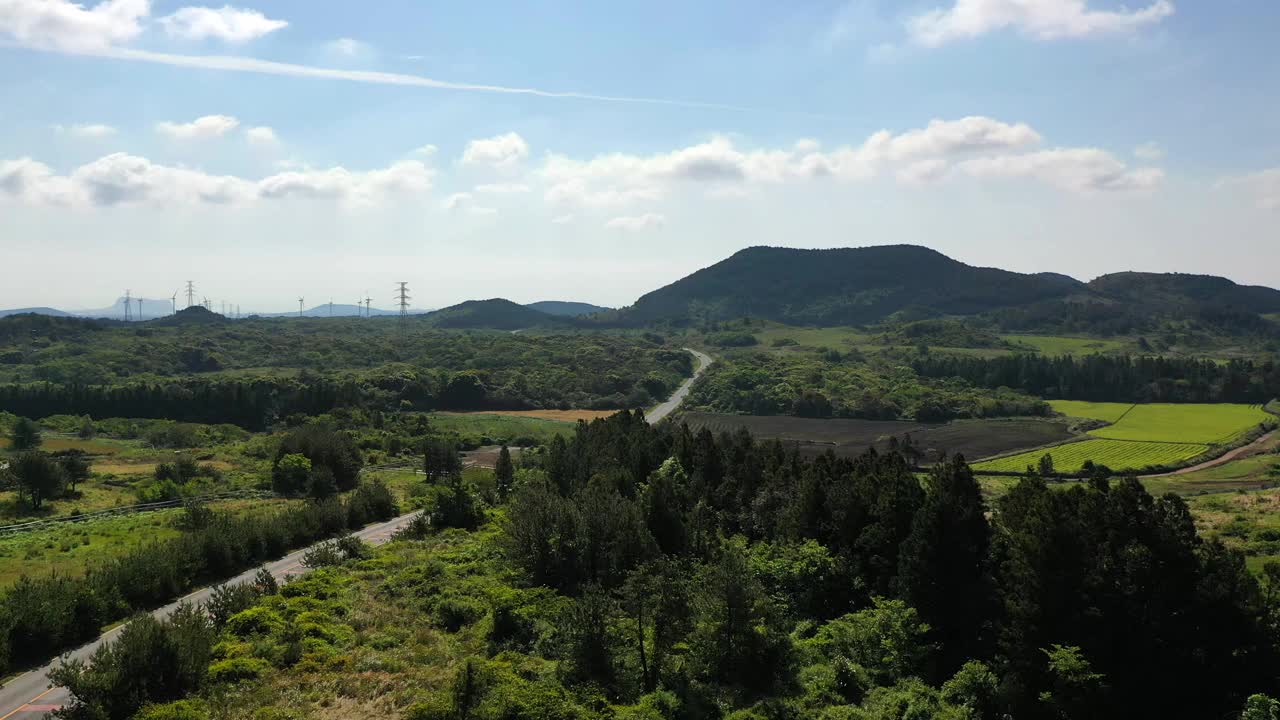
(1104, 411)
(556, 415)
(1116, 454)
(1064, 345)
(971, 438)
(1208, 424)
(497, 428)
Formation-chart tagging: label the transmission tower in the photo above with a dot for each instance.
(191, 293)
(127, 306)
(402, 297)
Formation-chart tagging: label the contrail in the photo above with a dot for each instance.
(267, 67)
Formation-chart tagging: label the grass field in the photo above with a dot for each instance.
(557, 415)
(494, 428)
(971, 438)
(1206, 424)
(1116, 454)
(1249, 522)
(1104, 411)
(69, 549)
(1063, 345)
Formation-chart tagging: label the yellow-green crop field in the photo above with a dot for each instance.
(1115, 454)
(1141, 436)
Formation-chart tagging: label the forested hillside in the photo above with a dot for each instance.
(642, 573)
(841, 287)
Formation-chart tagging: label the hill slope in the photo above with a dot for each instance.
(843, 286)
(566, 308)
(496, 314)
(1181, 290)
(51, 312)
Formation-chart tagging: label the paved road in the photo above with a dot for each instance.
(666, 408)
(29, 696)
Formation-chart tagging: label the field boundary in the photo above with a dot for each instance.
(35, 525)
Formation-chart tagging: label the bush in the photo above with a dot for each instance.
(237, 669)
(256, 620)
(454, 612)
(180, 710)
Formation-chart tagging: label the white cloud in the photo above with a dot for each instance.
(209, 126)
(122, 179)
(503, 188)
(1076, 169)
(348, 47)
(426, 151)
(1043, 19)
(229, 24)
(1263, 187)
(562, 219)
(637, 223)
(91, 131)
(501, 151)
(919, 155)
(262, 135)
(1150, 152)
(465, 202)
(67, 26)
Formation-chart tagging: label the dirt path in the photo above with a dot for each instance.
(1256, 447)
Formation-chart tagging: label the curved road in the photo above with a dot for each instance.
(673, 402)
(29, 696)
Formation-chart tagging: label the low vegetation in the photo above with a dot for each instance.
(642, 572)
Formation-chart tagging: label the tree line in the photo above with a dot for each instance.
(1114, 378)
(1073, 603)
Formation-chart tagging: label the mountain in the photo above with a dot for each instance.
(51, 312)
(566, 308)
(497, 314)
(1177, 290)
(151, 309)
(844, 286)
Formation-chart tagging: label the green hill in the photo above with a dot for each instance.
(496, 314)
(1178, 290)
(844, 286)
(566, 308)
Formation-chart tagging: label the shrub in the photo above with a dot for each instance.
(454, 612)
(237, 669)
(256, 620)
(180, 710)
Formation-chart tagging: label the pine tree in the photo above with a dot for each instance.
(504, 472)
(943, 570)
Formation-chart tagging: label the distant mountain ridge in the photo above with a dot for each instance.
(495, 314)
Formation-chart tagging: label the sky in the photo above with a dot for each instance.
(276, 149)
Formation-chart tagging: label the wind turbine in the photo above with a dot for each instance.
(174, 301)
(139, 309)
(300, 301)
(367, 301)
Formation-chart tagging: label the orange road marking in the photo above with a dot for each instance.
(23, 707)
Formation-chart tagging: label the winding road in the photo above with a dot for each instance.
(673, 402)
(29, 696)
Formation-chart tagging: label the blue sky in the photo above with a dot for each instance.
(268, 150)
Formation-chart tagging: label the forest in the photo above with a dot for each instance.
(650, 572)
(1109, 378)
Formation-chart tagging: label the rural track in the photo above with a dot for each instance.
(662, 411)
(1254, 448)
(29, 696)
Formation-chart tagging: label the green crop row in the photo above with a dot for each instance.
(1115, 454)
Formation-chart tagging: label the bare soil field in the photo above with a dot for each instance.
(972, 438)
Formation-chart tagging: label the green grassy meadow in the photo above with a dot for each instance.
(1063, 345)
(1104, 411)
(498, 429)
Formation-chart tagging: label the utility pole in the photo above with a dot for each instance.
(402, 297)
(191, 293)
(127, 306)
